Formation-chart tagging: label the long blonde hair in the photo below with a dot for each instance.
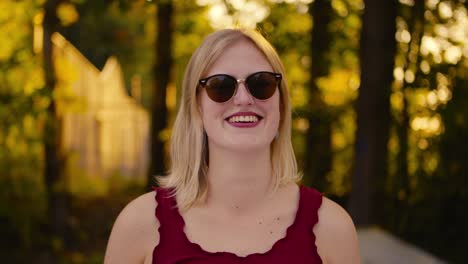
(189, 149)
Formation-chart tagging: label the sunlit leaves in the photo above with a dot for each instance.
(191, 26)
(20, 121)
(288, 29)
(430, 125)
(295, 77)
(20, 72)
(340, 7)
(343, 129)
(340, 87)
(246, 13)
(423, 79)
(67, 14)
(15, 27)
(345, 30)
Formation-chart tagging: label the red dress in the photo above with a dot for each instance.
(298, 246)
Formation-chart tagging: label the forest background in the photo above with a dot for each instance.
(380, 124)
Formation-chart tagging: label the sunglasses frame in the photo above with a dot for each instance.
(278, 77)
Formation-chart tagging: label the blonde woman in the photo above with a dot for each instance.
(232, 194)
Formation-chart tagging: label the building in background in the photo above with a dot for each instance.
(105, 131)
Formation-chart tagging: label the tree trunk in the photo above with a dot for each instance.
(162, 73)
(377, 54)
(318, 156)
(54, 171)
(413, 58)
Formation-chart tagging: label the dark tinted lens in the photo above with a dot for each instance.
(262, 85)
(220, 88)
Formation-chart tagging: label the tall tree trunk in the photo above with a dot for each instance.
(162, 73)
(413, 58)
(318, 157)
(54, 171)
(377, 54)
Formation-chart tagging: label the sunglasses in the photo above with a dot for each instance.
(222, 87)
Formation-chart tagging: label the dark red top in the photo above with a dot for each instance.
(298, 246)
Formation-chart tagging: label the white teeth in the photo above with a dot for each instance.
(237, 119)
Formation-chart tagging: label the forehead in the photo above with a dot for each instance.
(239, 60)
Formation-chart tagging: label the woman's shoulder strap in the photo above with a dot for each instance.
(311, 200)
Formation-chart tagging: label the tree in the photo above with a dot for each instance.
(318, 156)
(54, 161)
(412, 58)
(449, 196)
(162, 73)
(377, 53)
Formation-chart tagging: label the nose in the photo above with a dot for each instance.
(242, 95)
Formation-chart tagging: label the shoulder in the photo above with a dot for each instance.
(336, 237)
(135, 232)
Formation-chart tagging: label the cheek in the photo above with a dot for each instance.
(210, 111)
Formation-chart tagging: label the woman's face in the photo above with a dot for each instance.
(223, 121)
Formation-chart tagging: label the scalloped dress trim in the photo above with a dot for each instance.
(181, 224)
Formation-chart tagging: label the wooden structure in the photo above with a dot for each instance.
(105, 131)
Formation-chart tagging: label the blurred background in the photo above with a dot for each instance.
(89, 91)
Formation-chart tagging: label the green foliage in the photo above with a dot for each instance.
(125, 29)
(425, 207)
(293, 47)
(22, 106)
(191, 26)
(427, 210)
(289, 27)
(345, 28)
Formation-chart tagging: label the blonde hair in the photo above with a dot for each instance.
(189, 151)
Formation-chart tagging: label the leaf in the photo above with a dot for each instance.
(67, 14)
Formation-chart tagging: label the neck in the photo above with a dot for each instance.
(238, 183)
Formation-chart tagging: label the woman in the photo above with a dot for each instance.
(232, 193)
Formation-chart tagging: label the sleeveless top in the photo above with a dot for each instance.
(298, 246)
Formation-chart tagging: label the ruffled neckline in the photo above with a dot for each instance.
(275, 245)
